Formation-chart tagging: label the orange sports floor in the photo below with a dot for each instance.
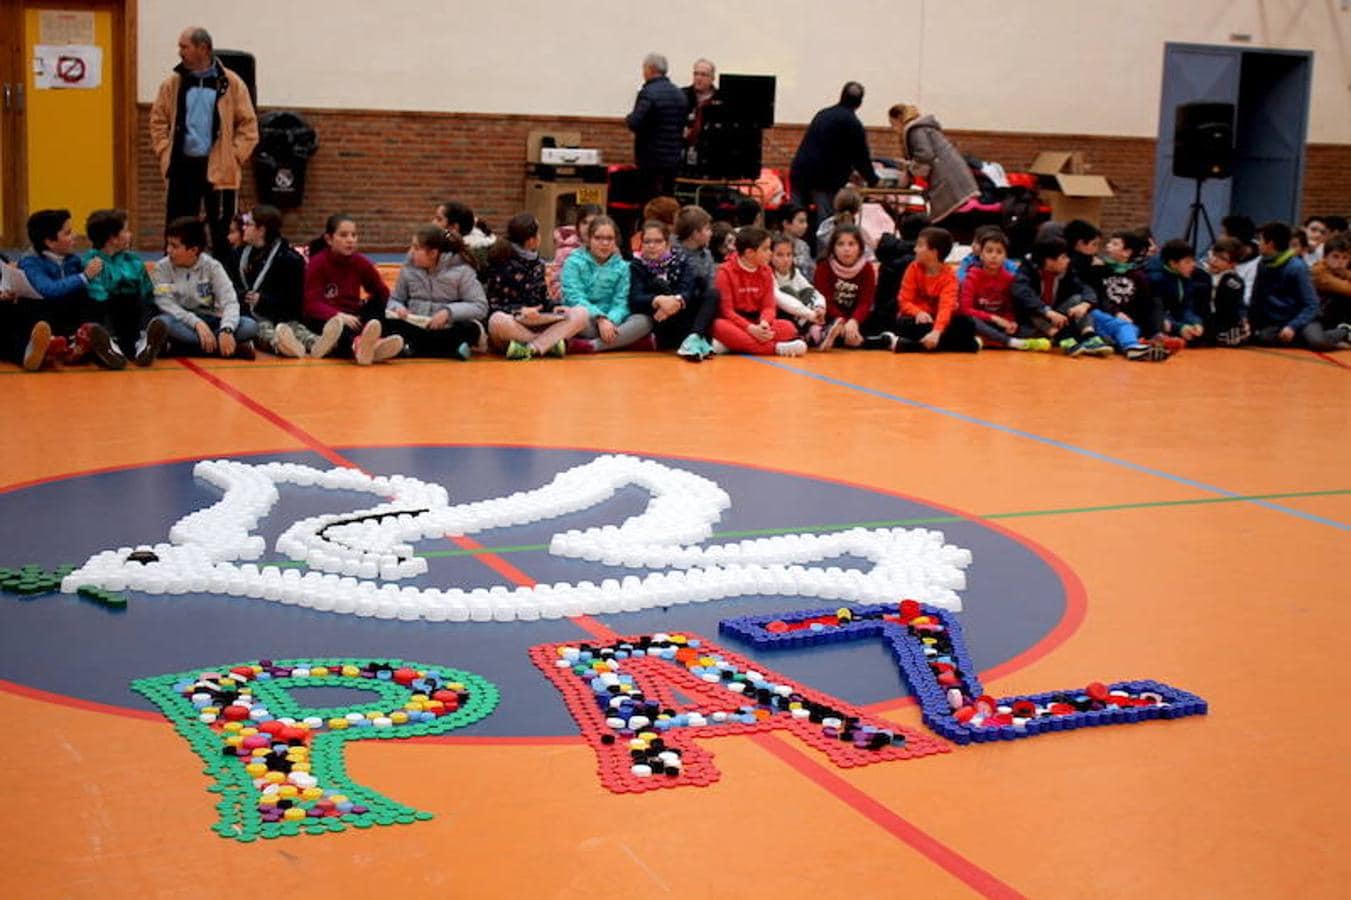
(1140, 479)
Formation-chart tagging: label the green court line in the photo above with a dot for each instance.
(931, 520)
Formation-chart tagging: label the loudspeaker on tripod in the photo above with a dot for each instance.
(1203, 140)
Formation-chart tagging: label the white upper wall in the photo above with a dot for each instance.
(1060, 66)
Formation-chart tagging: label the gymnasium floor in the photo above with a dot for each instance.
(1184, 522)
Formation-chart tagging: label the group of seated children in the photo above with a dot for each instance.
(462, 291)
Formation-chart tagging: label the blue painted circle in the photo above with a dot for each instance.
(65, 645)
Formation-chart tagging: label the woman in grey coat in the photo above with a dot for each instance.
(931, 156)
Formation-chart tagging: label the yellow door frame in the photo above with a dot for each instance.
(16, 71)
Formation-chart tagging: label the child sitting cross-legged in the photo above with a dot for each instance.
(1332, 280)
(1174, 280)
(524, 322)
(122, 296)
(848, 282)
(271, 279)
(196, 299)
(929, 319)
(1050, 298)
(596, 279)
(796, 297)
(1223, 312)
(437, 304)
(747, 320)
(986, 297)
(662, 284)
(1284, 303)
(345, 298)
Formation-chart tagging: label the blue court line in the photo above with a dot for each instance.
(1052, 442)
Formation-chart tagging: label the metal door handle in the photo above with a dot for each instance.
(7, 95)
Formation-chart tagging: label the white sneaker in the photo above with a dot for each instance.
(386, 348)
(151, 342)
(363, 348)
(719, 347)
(327, 340)
(286, 343)
(791, 348)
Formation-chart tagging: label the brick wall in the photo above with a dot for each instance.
(389, 169)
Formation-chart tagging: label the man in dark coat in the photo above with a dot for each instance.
(834, 146)
(658, 126)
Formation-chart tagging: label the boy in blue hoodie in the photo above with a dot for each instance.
(1284, 303)
(54, 270)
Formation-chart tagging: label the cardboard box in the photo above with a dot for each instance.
(1065, 186)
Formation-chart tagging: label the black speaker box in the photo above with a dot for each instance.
(243, 65)
(1203, 140)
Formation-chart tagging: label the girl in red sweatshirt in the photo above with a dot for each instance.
(747, 321)
(334, 280)
(848, 282)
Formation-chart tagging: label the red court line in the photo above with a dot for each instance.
(31, 693)
(496, 563)
(252, 405)
(1330, 358)
(952, 862)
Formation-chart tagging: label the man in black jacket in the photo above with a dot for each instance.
(834, 146)
(658, 126)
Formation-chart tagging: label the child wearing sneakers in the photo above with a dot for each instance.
(596, 279)
(438, 305)
(1284, 303)
(55, 271)
(523, 322)
(1050, 299)
(986, 297)
(1223, 313)
(796, 297)
(929, 319)
(335, 280)
(848, 283)
(122, 296)
(270, 275)
(1111, 320)
(196, 299)
(1173, 279)
(694, 231)
(661, 283)
(746, 321)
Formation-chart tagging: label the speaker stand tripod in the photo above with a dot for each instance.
(1195, 216)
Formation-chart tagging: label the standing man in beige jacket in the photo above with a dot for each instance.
(203, 129)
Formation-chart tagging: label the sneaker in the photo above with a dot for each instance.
(1036, 345)
(1170, 343)
(1230, 337)
(387, 348)
(327, 340)
(1146, 352)
(694, 348)
(517, 350)
(558, 351)
(645, 343)
(363, 347)
(791, 348)
(244, 350)
(884, 341)
(58, 349)
(580, 345)
(832, 334)
(718, 347)
(151, 342)
(1071, 347)
(464, 351)
(1096, 346)
(286, 343)
(104, 350)
(36, 352)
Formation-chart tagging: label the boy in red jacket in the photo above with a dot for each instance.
(747, 310)
(929, 320)
(986, 297)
